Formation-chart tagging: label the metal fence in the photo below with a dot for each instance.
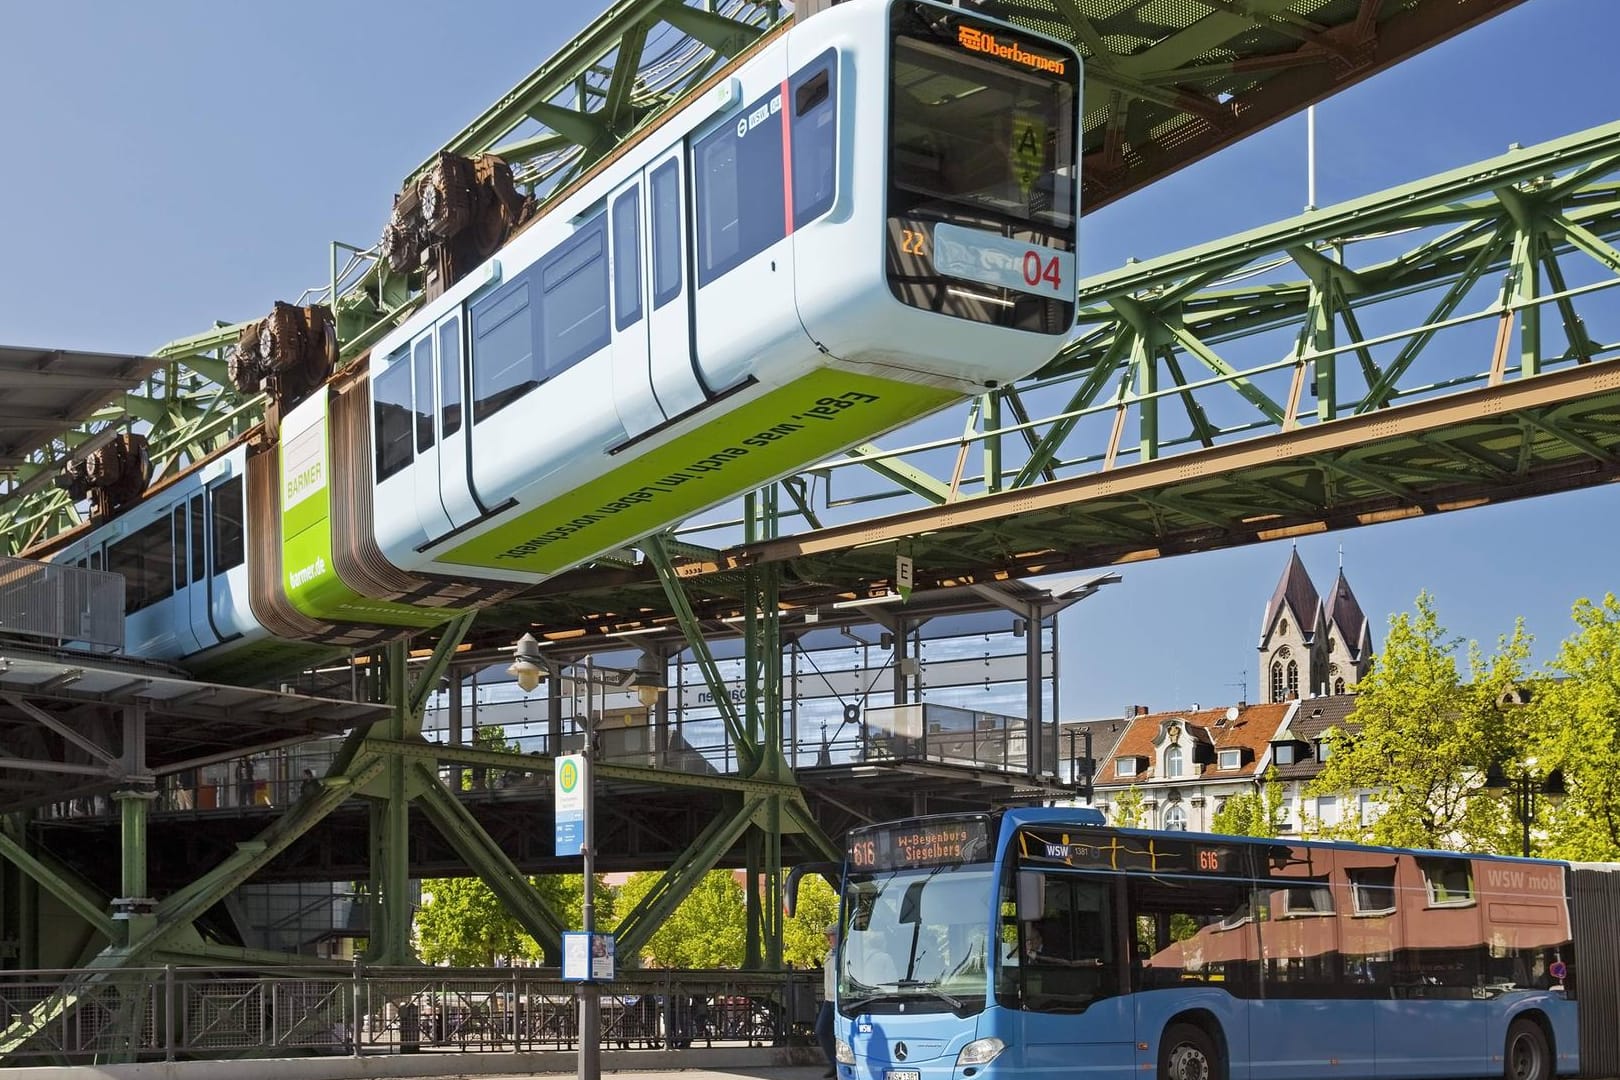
(60, 602)
(173, 1013)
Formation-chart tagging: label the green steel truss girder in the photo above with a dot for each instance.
(1386, 277)
(489, 862)
(748, 752)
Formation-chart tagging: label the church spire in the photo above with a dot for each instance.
(1294, 592)
(1344, 614)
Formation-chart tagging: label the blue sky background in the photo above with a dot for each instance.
(174, 163)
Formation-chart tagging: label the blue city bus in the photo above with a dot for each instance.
(1039, 942)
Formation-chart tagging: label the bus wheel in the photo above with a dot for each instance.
(1186, 1053)
(1527, 1055)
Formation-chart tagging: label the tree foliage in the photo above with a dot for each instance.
(463, 924)
(707, 929)
(1252, 813)
(1426, 733)
(1126, 811)
(1576, 720)
(804, 941)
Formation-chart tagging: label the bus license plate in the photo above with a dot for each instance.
(902, 1074)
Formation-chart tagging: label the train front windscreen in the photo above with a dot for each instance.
(983, 170)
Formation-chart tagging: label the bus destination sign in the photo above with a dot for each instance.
(1104, 849)
(920, 843)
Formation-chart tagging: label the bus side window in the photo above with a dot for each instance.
(666, 233)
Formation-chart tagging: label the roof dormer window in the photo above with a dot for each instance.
(1125, 766)
(1230, 759)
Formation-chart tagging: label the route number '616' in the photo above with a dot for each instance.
(1038, 270)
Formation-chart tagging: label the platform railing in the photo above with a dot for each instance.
(62, 603)
(172, 1013)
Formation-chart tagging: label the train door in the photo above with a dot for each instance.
(675, 381)
(227, 557)
(633, 394)
(190, 586)
(742, 223)
(456, 494)
(430, 511)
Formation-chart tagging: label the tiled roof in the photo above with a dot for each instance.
(1105, 735)
(1315, 716)
(1344, 614)
(1296, 591)
(1251, 730)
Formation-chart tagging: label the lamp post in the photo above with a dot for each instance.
(1527, 786)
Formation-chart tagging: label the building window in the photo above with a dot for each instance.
(1372, 890)
(1173, 761)
(1283, 753)
(1324, 749)
(1175, 818)
(1327, 809)
(1293, 679)
(1277, 684)
(1231, 759)
(1338, 686)
(1282, 626)
(1366, 809)
(1125, 766)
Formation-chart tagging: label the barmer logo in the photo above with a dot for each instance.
(981, 42)
(307, 574)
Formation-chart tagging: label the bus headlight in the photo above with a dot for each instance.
(843, 1053)
(980, 1051)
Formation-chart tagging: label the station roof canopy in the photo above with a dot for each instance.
(46, 392)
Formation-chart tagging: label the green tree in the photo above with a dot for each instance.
(804, 941)
(1126, 810)
(1576, 717)
(1253, 813)
(707, 929)
(462, 923)
(1426, 734)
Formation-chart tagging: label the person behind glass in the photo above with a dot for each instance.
(829, 992)
(309, 785)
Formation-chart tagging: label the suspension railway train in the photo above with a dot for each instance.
(868, 217)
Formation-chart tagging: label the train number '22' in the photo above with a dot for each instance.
(913, 242)
(1037, 270)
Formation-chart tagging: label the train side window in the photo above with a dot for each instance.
(574, 298)
(503, 356)
(230, 548)
(450, 376)
(182, 563)
(95, 559)
(627, 259)
(199, 560)
(815, 139)
(739, 188)
(391, 403)
(666, 233)
(422, 369)
(146, 559)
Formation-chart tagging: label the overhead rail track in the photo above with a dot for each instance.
(1446, 344)
(1165, 85)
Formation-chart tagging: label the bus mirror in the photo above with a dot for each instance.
(790, 897)
(1031, 891)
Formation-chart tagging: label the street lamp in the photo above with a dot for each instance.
(1526, 786)
(648, 681)
(526, 667)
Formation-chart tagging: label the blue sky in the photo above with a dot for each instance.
(174, 163)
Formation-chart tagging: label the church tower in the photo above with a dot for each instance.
(1293, 638)
(1350, 644)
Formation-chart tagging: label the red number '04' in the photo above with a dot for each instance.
(1036, 272)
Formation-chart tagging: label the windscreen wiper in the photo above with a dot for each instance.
(919, 984)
